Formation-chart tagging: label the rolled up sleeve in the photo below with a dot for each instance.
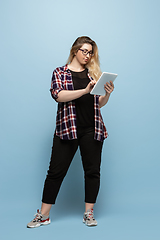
(56, 85)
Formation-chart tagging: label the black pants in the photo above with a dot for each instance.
(63, 152)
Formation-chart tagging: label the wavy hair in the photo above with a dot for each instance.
(94, 64)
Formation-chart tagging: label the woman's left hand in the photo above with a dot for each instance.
(109, 87)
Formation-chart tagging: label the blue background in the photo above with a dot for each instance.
(36, 37)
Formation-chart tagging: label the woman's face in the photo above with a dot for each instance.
(84, 54)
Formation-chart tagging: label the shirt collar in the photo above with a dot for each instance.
(66, 69)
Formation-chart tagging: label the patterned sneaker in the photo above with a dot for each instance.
(39, 220)
(88, 218)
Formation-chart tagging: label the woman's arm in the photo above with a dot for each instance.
(69, 95)
(109, 87)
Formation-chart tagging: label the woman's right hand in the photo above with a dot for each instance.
(90, 86)
(69, 95)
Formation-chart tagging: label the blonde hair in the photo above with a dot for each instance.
(94, 64)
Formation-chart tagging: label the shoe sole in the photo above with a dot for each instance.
(89, 225)
(40, 224)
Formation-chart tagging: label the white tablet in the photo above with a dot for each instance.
(98, 88)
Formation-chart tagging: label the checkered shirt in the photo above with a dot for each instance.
(66, 112)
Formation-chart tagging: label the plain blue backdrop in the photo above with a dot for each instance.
(36, 36)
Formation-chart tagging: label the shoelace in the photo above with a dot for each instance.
(89, 215)
(38, 217)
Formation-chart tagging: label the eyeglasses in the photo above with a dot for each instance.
(85, 52)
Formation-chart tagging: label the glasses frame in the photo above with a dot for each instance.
(85, 54)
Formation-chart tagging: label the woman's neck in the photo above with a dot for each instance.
(75, 66)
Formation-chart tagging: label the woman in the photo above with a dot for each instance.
(78, 123)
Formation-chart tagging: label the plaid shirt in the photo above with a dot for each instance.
(66, 113)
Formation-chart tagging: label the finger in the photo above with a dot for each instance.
(111, 83)
(93, 82)
(108, 85)
(108, 89)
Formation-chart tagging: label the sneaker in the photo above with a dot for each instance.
(88, 218)
(39, 220)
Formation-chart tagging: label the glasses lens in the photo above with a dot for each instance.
(85, 52)
(91, 54)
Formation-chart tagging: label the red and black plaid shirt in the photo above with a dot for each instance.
(66, 113)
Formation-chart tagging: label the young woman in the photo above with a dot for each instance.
(78, 123)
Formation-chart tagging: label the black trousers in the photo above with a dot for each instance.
(63, 152)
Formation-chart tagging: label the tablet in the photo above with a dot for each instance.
(98, 88)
